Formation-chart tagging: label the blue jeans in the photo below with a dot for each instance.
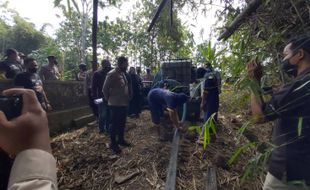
(104, 117)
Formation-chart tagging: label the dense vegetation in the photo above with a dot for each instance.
(261, 36)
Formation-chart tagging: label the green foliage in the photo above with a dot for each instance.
(244, 127)
(234, 100)
(209, 53)
(256, 166)
(24, 37)
(238, 152)
(18, 33)
(195, 128)
(205, 131)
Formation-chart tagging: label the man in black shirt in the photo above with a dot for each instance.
(290, 108)
(10, 66)
(135, 103)
(97, 84)
(31, 80)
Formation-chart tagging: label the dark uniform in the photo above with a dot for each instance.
(30, 81)
(136, 101)
(290, 108)
(11, 68)
(211, 105)
(161, 98)
(103, 108)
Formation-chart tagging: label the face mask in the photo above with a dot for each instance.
(123, 69)
(33, 70)
(289, 68)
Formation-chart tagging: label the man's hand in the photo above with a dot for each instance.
(255, 70)
(38, 89)
(47, 106)
(28, 131)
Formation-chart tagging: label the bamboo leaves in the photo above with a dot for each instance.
(205, 131)
(238, 152)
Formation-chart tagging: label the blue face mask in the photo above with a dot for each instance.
(289, 68)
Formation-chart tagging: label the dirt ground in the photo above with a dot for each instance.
(85, 161)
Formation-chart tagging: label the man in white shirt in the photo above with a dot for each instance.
(27, 139)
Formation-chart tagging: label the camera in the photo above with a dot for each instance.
(11, 106)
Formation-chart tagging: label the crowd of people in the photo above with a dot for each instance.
(25, 73)
(27, 137)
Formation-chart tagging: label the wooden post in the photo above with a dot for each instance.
(210, 179)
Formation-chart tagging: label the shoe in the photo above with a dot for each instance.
(124, 143)
(115, 149)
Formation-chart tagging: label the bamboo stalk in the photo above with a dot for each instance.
(252, 7)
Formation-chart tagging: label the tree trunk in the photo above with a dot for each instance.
(83, 40)
(94, 34)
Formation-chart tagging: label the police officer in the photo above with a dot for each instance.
(159, 99)
(210, 94)
(10, 66)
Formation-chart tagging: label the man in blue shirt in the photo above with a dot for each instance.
(159, 99)
(210, 95)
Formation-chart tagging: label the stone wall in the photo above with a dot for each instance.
(68, 100)
(61, 94)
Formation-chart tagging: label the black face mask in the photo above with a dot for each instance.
(289, 68)
(33, 70)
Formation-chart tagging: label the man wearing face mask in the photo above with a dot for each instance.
(117, 91)
(290, 109)
(31, 80)
(11, 66)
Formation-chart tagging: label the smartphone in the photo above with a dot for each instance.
(11, 106)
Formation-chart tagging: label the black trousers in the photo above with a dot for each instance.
(118, 122)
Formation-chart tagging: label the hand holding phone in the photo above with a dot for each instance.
(29, 130)
(11, 106)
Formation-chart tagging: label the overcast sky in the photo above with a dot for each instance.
(43, 11)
